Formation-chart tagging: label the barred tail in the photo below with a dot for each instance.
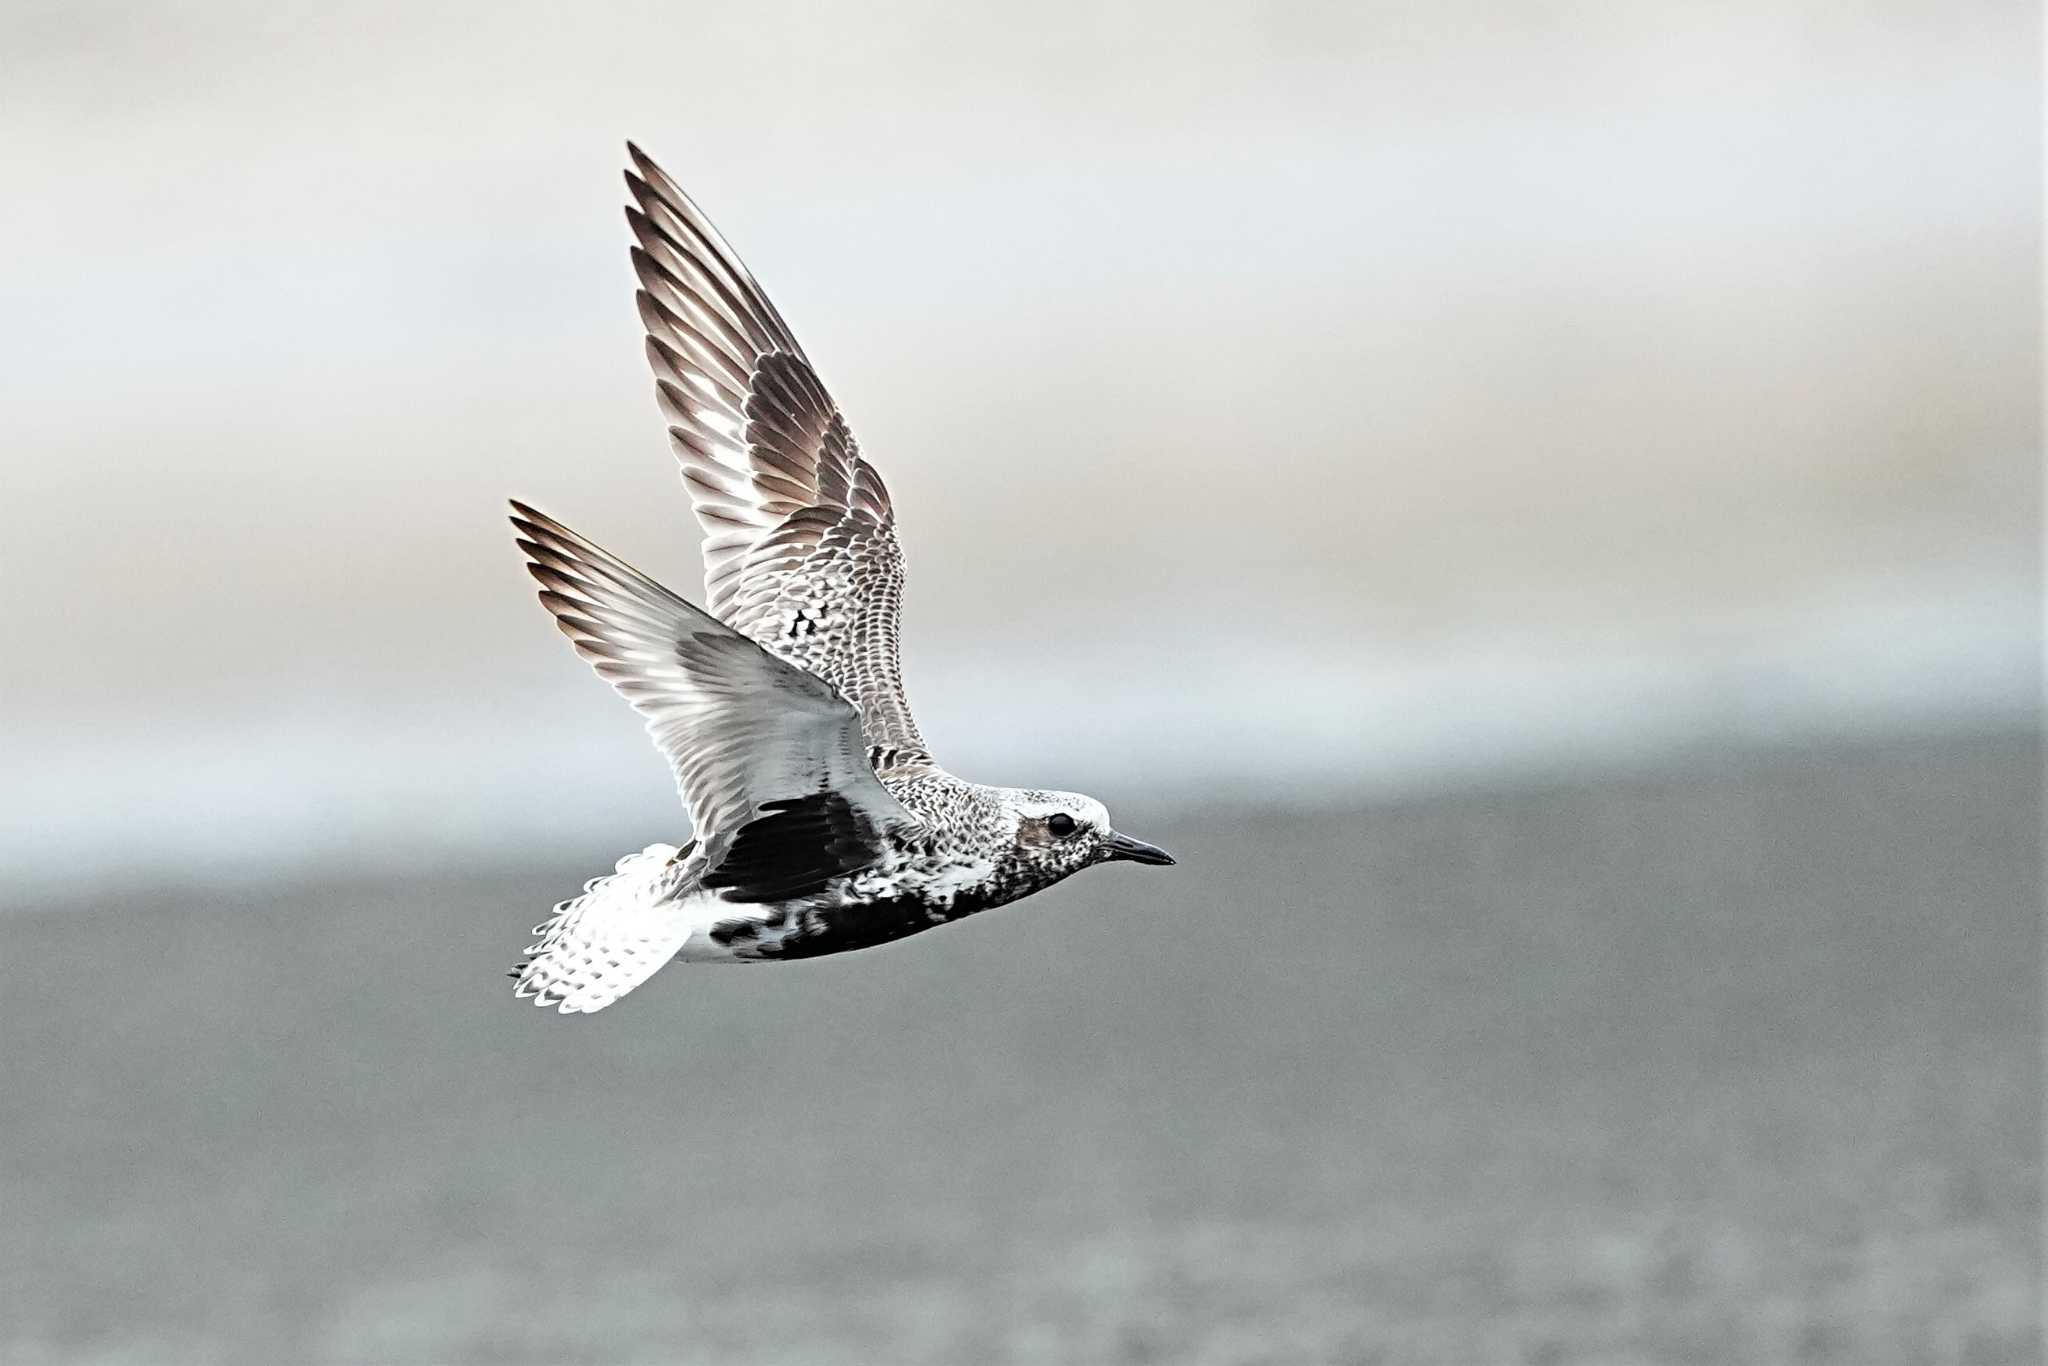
(599, 946)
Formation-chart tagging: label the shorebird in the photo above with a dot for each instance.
(819, 821)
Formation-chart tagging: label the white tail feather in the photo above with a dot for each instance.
(601, 945)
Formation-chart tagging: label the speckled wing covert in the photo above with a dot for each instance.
(768, 758)
(800, 548)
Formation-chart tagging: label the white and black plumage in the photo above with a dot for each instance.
(820, 821)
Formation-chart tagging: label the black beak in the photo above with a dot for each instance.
(1123, 848)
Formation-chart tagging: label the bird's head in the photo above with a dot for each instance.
(1060, 833)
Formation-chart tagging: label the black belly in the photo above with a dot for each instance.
(840, 929)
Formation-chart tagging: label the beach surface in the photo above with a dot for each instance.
(1737, 1062)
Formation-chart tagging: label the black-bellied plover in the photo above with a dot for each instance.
(820, 822)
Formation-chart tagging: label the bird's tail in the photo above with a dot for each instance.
(599, 946)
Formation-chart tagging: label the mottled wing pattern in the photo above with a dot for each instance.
(800, 548)
(768, 758)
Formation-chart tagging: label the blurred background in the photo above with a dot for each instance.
(1537, 503)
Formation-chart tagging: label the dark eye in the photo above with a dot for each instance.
(1060, 823)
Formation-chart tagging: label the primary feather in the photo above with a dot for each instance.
(800, 548)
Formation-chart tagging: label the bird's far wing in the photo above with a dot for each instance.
(800, 548)
(769, 758)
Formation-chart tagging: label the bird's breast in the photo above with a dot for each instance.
(863, 924)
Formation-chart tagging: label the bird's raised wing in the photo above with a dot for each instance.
(769, 758)
(800, 547)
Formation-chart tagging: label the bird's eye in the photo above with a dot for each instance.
(1060, 823)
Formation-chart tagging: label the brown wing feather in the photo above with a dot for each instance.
(800, 550)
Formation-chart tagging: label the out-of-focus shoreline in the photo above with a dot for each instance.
(1701, 761)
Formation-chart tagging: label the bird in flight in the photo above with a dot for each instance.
(820, 823)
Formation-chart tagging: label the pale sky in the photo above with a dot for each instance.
(1274, 396)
